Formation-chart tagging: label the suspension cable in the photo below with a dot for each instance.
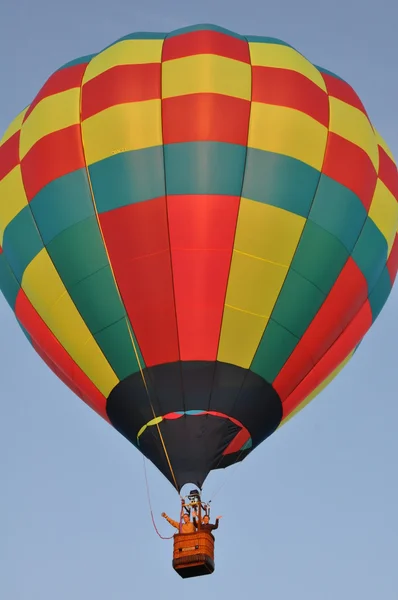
(150, 504)
(126, 317)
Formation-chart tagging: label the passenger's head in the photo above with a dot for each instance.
(185, 518)
(206, 519)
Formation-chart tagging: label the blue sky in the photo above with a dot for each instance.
(311, 514)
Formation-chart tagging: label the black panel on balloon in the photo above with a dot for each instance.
(247, 409)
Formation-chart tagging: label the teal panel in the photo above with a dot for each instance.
(78, 252)
(8, 284)
(78, 61)
(339, 211)
(98, 300)
(380, 293)
(203, 27)
(21, 242)
(327, 72)
(298, 303)
(61, 204)
(247, 445)
(25, 332)
(127, 178)
(370, 253)
(274, 349)
(79, 256)
(320, 257)
(204, 168)
(280, 181)
(115, 343)
(139, 35)
(266, 40)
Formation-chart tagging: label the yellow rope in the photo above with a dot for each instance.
(127, 321)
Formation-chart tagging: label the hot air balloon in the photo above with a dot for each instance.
(197, 229)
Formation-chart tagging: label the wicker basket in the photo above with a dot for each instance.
(193, 554)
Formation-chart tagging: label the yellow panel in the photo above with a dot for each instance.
(353, 125)
(268, 232)
(12, 198)
(55, 307)
(128, 52)
(240, 336)
(121, 128)
(384, 212)
(318, 389)
(206, 73)
(51, 114)
(383, 144)
(254, 284)
(287, 131)
(141, 431)
(283, 57)
(14, 126)
(155, 421)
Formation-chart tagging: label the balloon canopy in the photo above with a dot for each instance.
(197, 229)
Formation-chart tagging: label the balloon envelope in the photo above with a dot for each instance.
(197, 229)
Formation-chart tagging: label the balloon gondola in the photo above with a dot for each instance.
(197, 229)
(193, 553)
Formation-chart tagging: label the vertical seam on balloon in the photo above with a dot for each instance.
(4, 254)
(230, 264)
(292, 259)
(343, 267)
(134, 342)
(19, 284)
(20, 289)
(92, 196)
(320, 308)
(168, 226)
(55, 268)
(295, 252)
(240, 200)
(127, 319)
(323, 356)
(370, 290)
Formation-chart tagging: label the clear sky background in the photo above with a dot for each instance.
(312, 513)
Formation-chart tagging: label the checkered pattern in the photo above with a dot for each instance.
(218, 195)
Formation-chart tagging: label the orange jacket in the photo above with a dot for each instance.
(185, 527)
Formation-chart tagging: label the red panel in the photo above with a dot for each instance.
(202, 230)
(53, 353)
(1, 249)
(239, 440)
(343, 91)
(60, 81)
(349, 165)
(119, 85)
(345, 344)
(205, 117)
(136, 230)
(342, 304)
(388, 172)
(241, 437)
(57, 371)
(53, 156)
(202, 222)
(283, 87)
(205, 42)
(9, 155)
(172, 416)
(137, 240)
(392, 263)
